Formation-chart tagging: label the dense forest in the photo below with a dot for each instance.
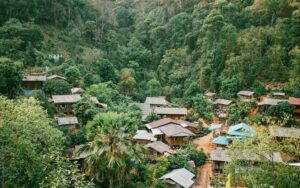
(122, 51)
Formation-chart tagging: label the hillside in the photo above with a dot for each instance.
(93, 64)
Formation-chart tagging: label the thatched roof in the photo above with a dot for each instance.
(170, 111)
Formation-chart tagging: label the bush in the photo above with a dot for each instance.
(281, 109)
(57, 87)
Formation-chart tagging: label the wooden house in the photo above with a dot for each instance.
(56, 77)
(157, 101)
(219, 157)
(158, 149)
(143, 137)
(268, 102)
(221, 107)
(175, 135)
(179, 178)
(64, 103)
(69, 122)
(33, 82)
(155, 125)
(296, 102)
(173, 113)
(282, 133)
(210, 96)
(246, 96)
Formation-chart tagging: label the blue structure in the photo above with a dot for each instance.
(241, 130)
(221, 140)
(215, 126)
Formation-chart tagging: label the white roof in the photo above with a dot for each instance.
(144, 135)
(157, 100)
(67, 121)
(77, 90)
(33, 78)
(170, 111)
(55, 76)
(223, 102)
(57, 99)
(246, 93)
(181, 176)
(271, 102)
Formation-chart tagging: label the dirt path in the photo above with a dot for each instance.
(205, 171)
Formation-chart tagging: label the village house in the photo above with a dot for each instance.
(268, 102)
(157, 101)
(282, 133)
(56, 77)
(70, 122)
(173, 113)
(221, 106)
(143, 137)
(175, 135)
(154, 126)
(296, 102)
(80, 154)
(219, 157)
(278, 95)
(33, 82)
(210, 96)
(246, 96)
(158, 149)
(234, 132)
(145, 108)
(64, 103)
(215, 128)
(179, 178)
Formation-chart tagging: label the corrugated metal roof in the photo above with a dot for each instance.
(165, 121)
(157, 100)
(209, 94)
(67, 121)
(144, 135)
(55, 76)
(174, 130)
(246, 93)
(223, 102)
(170, 111)
(271, 102)
(221, 155)
(294, 101)
(278, 94)
(215, 126)
(181, 176)
(241, 129)
(57, 99)
(145, 107)
(158, 146)
(285, 132)
(33, 78)
(221, 140)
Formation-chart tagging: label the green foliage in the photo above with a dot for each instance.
(229, 87)
(72, 74)
(238, 112)
(259, 88)
(153, 88)
(44, 102)
(280, 110)
(29, 144)
(56, 87)
(10, 78)
(152, 117)
(180, 159)
(127, 82)
(201, 106)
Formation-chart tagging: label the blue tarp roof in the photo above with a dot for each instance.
(241, 129)
(28, 91)
(222, 140)
(215, 126)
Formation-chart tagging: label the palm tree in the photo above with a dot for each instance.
(113, 152)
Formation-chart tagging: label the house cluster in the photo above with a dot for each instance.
(221, 106)
(161, 107)
(63, 103)
(162, 137)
